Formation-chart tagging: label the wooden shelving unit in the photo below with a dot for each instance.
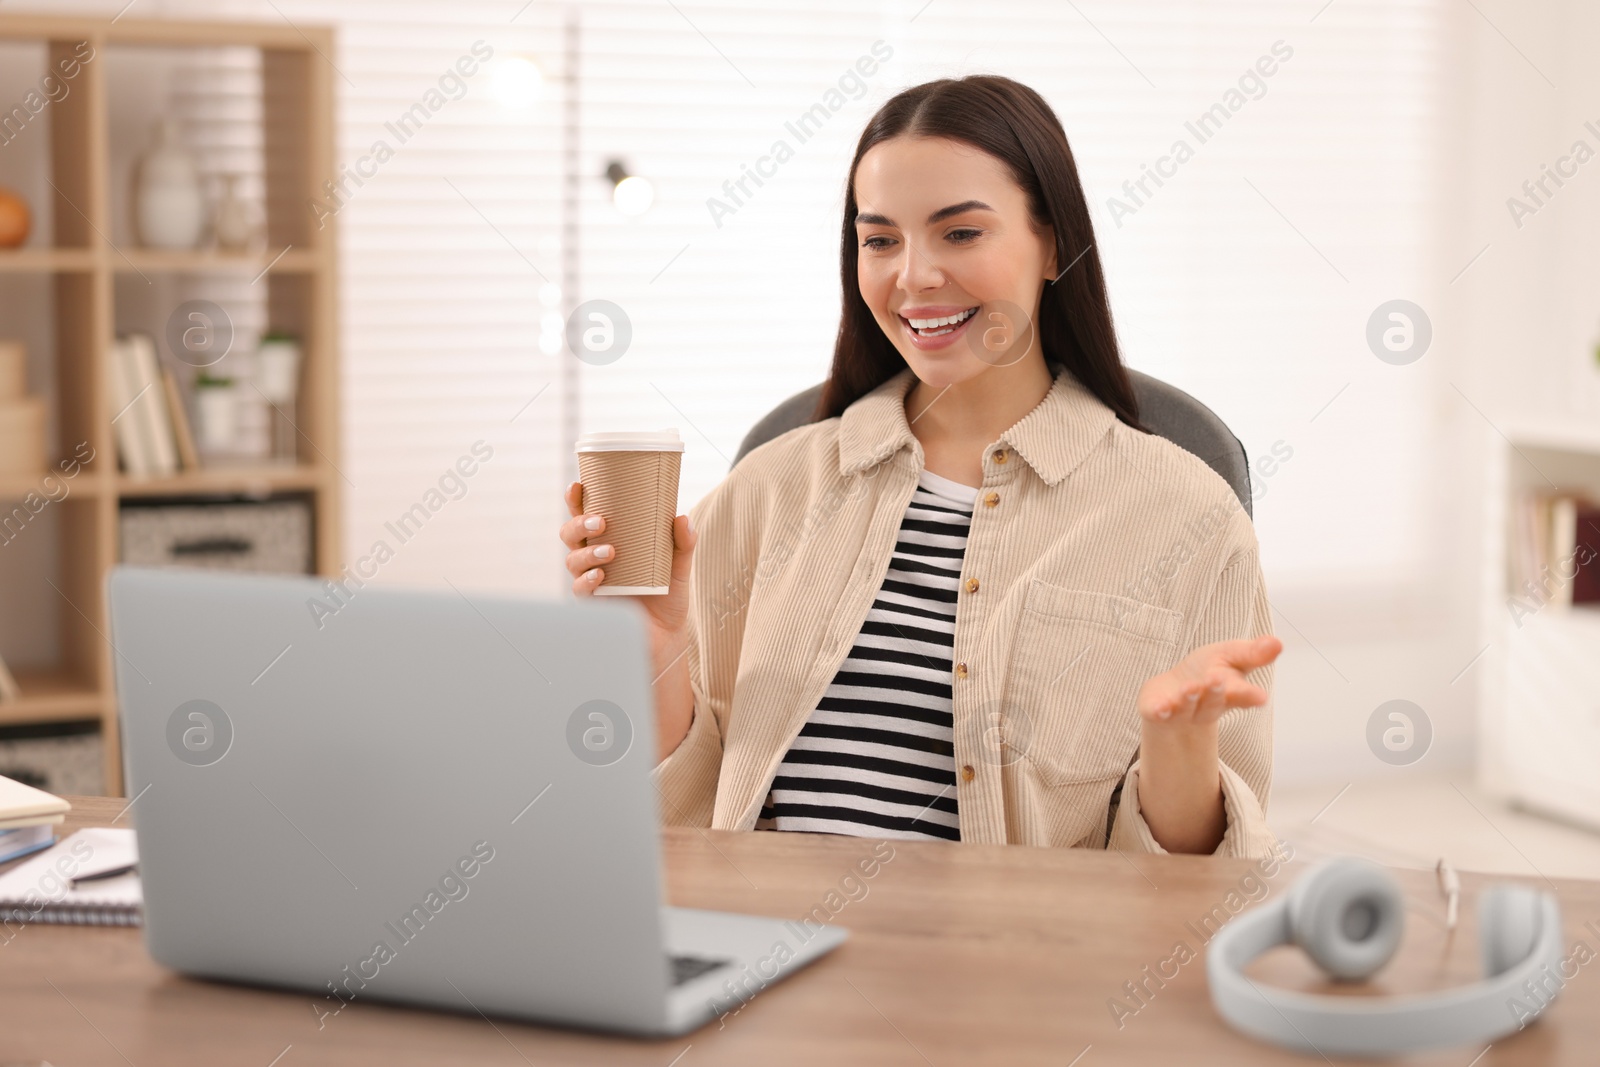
(81, 261)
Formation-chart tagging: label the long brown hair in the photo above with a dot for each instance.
(1013, 123)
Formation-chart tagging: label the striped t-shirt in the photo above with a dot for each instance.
(876, 758)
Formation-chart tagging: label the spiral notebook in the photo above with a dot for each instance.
(41, 890)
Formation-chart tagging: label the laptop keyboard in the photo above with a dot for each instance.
(685, 968)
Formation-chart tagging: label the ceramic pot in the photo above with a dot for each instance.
(217, 419)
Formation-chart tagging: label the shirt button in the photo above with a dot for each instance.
(967, 773)
(999, 455)
(972, 585)
(991, 500)
(961, 670)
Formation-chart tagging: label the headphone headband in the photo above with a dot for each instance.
(1357, 1026)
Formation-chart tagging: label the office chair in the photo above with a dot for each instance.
(1165, 409)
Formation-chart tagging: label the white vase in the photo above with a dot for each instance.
(169, 203)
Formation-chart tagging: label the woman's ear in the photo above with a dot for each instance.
(1051, 268)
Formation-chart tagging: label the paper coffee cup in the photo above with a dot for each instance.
(631, 478)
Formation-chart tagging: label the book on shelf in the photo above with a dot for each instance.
(8, 685)
(1586, 586)
(145, 429)
(188, 454)
(1554, 554)
(131, 450)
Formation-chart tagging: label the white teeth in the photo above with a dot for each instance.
(934, 324)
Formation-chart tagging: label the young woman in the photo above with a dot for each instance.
(975, 601)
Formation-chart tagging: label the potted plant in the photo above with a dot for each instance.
(278, 378)
(216, 401)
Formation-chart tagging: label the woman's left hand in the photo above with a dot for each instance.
(1180, 783)
(1206, 683)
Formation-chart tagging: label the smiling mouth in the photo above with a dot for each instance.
(940, 326)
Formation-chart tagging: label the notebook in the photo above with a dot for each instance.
(40, 889)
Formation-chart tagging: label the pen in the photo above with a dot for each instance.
(110, 872)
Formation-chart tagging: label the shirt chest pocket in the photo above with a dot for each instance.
(1069, 711)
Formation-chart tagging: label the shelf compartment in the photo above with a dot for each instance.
(46, 135)
(52, 696)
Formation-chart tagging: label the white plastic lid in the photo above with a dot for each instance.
(631, 441)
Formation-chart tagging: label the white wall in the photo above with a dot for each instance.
(1213, 287)
(1375, 166)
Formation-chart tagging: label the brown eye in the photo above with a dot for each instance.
(963, 236)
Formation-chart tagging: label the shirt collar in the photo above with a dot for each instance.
(1053, 438)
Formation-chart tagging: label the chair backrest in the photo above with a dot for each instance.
(1167, 410)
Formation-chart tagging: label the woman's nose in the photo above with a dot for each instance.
(918, 271)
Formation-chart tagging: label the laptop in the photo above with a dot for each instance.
(427, 797)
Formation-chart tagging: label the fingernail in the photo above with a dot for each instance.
(592, 575)
(1216, 690)
(1164, 713)
(602, 552)
(689, 522)
(592, 522)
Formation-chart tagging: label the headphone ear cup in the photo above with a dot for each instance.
(1508, 926)
(1348, 916)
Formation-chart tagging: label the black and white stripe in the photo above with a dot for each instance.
(877, 758)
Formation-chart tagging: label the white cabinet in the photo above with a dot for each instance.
(1539, 687)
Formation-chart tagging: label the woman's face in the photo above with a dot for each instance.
(943, 234)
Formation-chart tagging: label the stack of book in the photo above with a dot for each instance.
(1555, 549)
(28, 818)
(152, 424)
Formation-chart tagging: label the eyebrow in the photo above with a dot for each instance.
(869, 218)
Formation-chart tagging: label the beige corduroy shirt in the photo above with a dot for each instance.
(1097, 558)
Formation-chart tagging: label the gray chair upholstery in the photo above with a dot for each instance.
(1167, 410)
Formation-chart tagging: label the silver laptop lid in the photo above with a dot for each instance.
(421, 796)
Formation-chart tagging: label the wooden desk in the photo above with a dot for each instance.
(959, 955)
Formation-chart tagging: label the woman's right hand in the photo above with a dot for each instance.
(587, 564)
(667, 616)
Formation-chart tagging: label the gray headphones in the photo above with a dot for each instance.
(1347, 914)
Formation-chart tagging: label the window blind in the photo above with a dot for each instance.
(1246, 278)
